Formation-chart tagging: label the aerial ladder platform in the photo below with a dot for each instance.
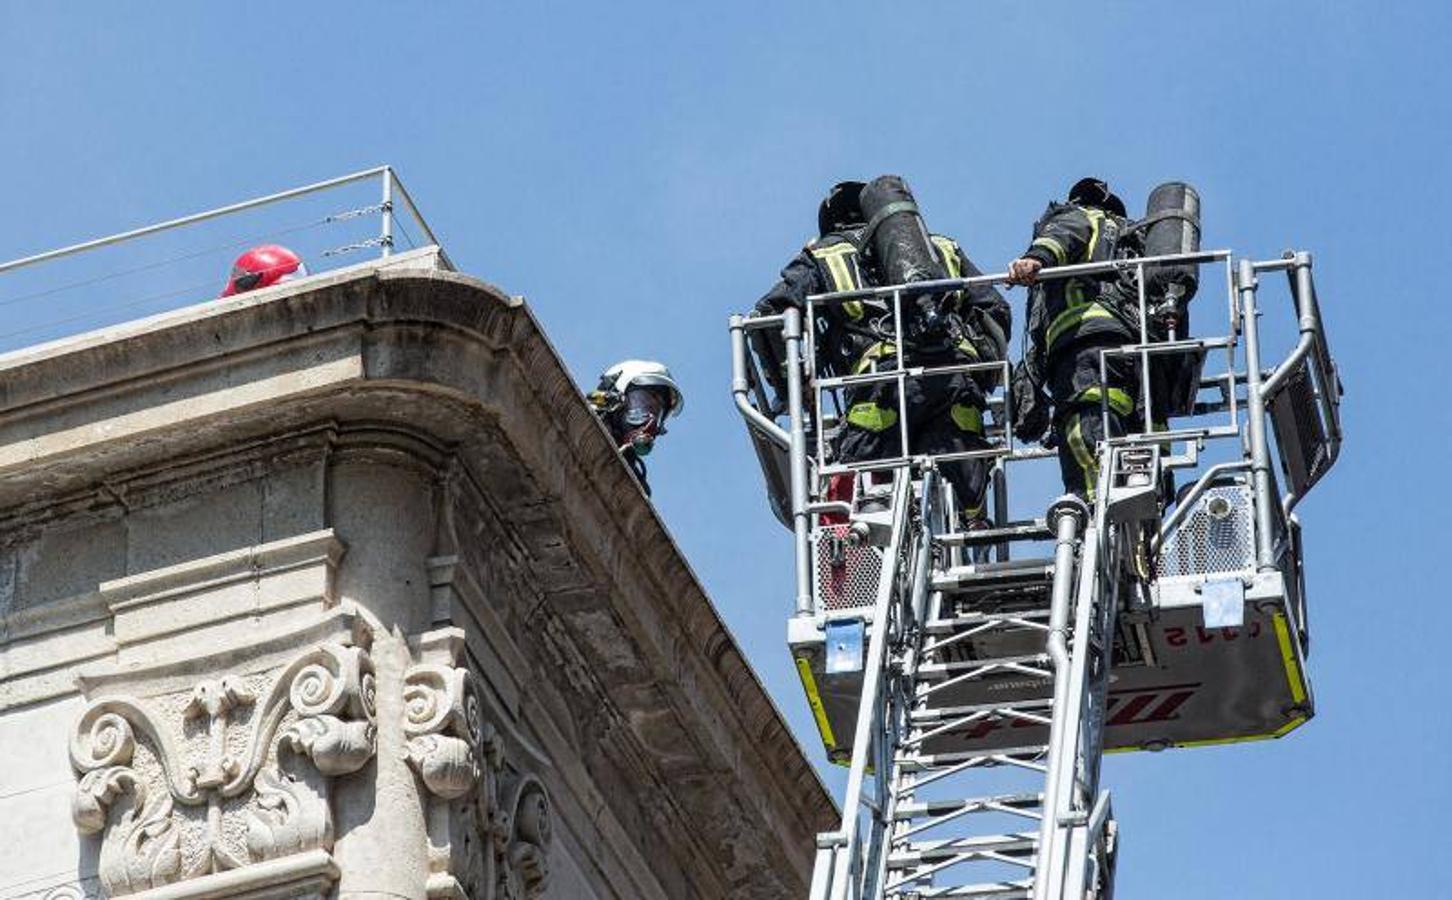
(972, 680)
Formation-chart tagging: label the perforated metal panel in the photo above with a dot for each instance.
(1302, 435)
(1218, 536)
(847, 574)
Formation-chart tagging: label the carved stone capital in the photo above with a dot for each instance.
(173, 782)
(524, 844)
(475, 786)
(449, 743)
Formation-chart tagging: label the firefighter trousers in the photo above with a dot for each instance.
(944, 415)
(1085, 404)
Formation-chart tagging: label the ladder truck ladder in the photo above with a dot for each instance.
(970, 697)
(928, 832)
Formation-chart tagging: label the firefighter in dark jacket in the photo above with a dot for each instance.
(1070, 321)
(856, 249)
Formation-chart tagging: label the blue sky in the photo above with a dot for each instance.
(639, 171)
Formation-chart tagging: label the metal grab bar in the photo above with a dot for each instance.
(740, 389)
(1051, 274)
(1312, 345)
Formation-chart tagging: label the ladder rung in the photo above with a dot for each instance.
(994, 573)
(1032, 710)
(918, 853)
(1034, 530)
(1003, 890)
(988, 804)
(1024, 756)
(949, 624)
(970, 720)
(939, 671)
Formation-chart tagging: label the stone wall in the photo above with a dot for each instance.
(338, 588)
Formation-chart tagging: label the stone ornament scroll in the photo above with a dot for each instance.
(461, 760)
(236, 770)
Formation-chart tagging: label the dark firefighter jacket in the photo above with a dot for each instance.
(1061, 311)
(852, 335)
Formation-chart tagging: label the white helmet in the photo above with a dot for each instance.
(644, 373)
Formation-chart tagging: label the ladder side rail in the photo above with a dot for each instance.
(1087, 818)
(1068, 516)
(843, 845)
(897, 701)
(1052, 875)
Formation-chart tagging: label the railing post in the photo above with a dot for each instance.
(1260, 465)
(385, 237)
(792, 334)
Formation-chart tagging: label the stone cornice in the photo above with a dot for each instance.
(455, 362)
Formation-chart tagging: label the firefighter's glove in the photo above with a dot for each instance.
(764, 307)
(1030, 407)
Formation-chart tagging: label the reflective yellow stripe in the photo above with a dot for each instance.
(842, 272)
(967, 418)
(1084, 457)
(949, 251)
(841, 248)
(1288, 659)
(973, 512)
(1119, 401)
(967, 349)
(1095, 219)
(1061, 255)
(1292, 725)
(1071, 318)
(875, 352)
(871, 416)
(814, 700)
(950, 255)
(842, 279)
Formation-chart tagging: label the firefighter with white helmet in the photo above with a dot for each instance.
(634, 398)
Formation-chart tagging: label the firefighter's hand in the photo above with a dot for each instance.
(1024, 270)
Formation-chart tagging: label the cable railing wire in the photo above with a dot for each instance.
(100, 312)
(135, 270)
(386, 209)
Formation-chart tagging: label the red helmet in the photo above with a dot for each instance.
(263, 267)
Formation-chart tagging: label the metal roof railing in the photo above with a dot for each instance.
(29, 279)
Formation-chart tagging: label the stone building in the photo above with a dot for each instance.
(338, 588)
